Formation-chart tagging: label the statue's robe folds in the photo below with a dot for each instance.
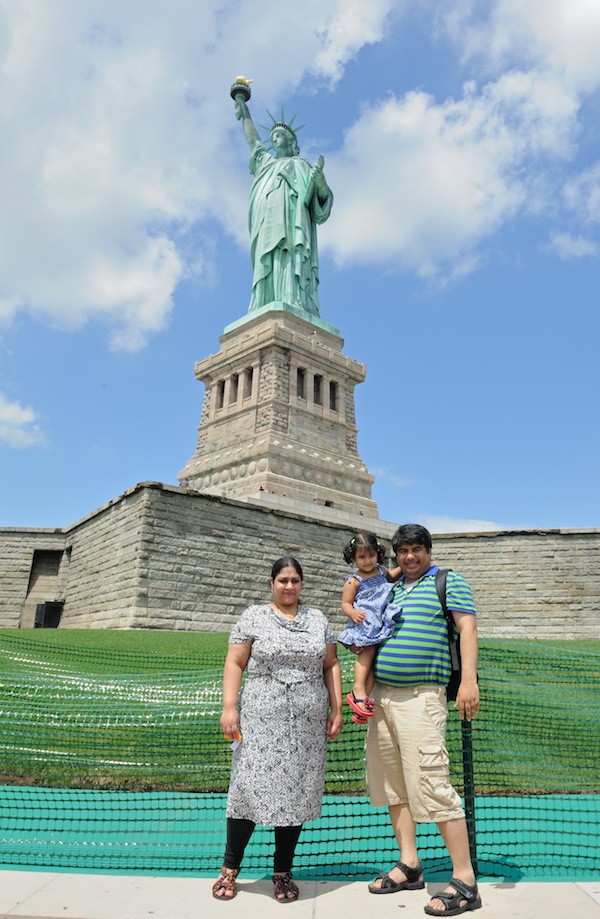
(283, 216)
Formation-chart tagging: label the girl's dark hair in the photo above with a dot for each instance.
(286, 562)
(366, 540)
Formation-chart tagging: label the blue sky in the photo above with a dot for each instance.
(460, 262)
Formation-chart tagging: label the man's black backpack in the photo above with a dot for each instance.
(441, 577)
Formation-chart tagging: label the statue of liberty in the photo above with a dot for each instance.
(288, 198)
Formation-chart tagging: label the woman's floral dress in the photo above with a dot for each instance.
(278, 770)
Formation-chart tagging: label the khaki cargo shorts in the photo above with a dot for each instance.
(407, 759)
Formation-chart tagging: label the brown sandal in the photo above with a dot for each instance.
(284, 884)
(225, 882)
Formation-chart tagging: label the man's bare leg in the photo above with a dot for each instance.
(455, 836)
(405, 832)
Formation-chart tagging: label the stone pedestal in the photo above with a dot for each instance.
(278, 422)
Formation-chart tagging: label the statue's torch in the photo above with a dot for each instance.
(240, 91)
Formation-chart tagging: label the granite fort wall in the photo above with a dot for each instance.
(531, 584)
(18, 593)
(162, 557)
(106, 580)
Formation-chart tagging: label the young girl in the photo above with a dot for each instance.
(363, 601)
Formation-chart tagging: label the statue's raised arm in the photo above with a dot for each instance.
(288, 199)
(240, 93)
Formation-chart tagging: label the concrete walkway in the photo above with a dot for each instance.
(41, 895)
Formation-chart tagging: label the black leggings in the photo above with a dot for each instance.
(238, 837)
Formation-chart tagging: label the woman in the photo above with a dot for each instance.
(289, 198)
(290, 704)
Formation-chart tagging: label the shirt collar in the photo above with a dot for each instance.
(433, 570)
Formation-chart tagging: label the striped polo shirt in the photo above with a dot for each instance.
(417, 652)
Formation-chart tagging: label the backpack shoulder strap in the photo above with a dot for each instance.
(441, 576)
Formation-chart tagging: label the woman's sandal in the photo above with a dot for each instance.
(414, 880)
(225, 882)
(285, 889)
(453, 902)
(364, 708)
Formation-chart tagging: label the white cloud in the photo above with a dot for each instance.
(120, 147)
(18, 425)
(581, 197)
(354, 25)
(557, 37)
(117, 129)
(383, 472)
(567, 246)
(439, 524)
(582, 194)
(444, 177)
(458, 525)
(423, 184)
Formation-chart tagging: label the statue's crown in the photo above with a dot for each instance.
(284, 127)
(282, 123)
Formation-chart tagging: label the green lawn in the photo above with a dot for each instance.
(140, 709)
(153, 645)
(186, 644)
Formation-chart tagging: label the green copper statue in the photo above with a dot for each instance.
(289, 197)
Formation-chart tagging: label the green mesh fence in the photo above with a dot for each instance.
(114, 761)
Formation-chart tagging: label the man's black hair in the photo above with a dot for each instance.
(411, 534)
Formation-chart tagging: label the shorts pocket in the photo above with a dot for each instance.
(437, 795)
(433, 759)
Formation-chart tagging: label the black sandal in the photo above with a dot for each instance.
(225, 882)
(284, 884)
(452, 901)
(414, 880)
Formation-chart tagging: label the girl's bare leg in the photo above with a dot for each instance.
(370, 681)
(363, 676)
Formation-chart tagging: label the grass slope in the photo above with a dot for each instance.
(140, 710)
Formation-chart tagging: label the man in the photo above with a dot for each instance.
(407, 759)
